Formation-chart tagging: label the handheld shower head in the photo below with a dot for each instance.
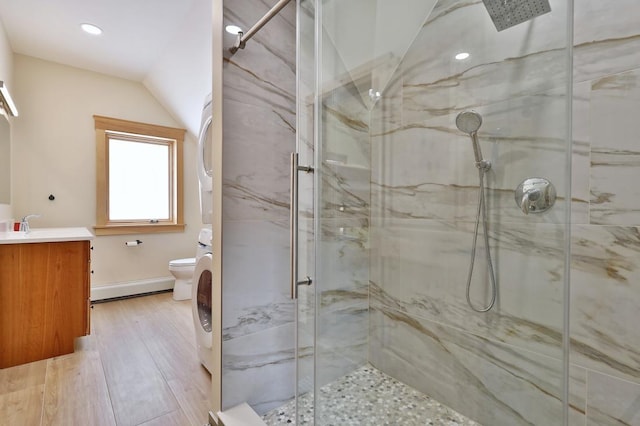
(469, 122)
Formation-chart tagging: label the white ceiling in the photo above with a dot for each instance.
(140, 37)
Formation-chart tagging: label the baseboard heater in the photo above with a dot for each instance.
(131, 288)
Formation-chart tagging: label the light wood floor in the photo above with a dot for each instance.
(138, 367)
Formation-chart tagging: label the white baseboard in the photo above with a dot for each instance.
(131, 288)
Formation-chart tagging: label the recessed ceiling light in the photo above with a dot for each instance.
(462, 55)
(91, 29)
(233, 29)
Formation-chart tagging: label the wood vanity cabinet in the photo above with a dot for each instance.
(44, 299)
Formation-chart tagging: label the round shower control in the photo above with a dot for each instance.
(535, 195)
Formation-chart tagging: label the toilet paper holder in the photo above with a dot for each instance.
(133, 243)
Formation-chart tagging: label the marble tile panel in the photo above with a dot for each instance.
(344, 103)
(614, 195)
(346, 190)
(611, 401)
(305, 332)
(606, 38)
(422, 271)
(605, 295)
(372, 37)
(255, 276)
(342, 341)
(526, 59)
(345, 155)
(423, 172)
(615, 155)
(345, 129)
(581, 157)
(577, 395)
(397, 25)
(613, 100)
(264, 73)
(492, 383)
(306, 65)
(452, 203)
(343, 298)
(344, 262)
(305, 123)
(258, 143)
(334, 72)
(386, 113)
(259, 369)
(306, 247)
(339, 346)
(427, 170)
(306, 353)
(342, 286)
(306, 185)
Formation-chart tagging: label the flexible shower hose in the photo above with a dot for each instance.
(482, 210)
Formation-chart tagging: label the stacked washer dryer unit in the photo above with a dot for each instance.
(201, 290)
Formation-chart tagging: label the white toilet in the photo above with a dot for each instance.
(182, 269)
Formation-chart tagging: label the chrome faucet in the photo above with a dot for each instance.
(24, 223)
(529, 200)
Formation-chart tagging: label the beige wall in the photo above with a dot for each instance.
(6, 56)
(54, 153)
(6, 68)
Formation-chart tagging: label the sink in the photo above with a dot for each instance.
(43, 235)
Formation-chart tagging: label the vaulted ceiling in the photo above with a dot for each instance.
(164, 44)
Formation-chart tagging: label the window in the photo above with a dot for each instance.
(139, 177)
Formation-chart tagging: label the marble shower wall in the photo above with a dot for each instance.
(343, 277)
(605, 269)
(259, 135)
(423, 198)
(503, 367)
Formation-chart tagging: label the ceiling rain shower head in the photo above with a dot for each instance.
(508, 13)
(469, 121)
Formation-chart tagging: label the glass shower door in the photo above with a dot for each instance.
(388, 331)
(305, 303)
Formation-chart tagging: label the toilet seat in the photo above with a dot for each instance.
(181, 263)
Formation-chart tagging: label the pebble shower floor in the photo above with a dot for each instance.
(369, 397)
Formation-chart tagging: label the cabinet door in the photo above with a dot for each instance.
(43, 299)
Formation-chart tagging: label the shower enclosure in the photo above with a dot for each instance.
(388, 208)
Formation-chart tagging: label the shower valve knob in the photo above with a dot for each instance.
(535, 195)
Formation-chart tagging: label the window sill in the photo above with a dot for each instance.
(151, 228)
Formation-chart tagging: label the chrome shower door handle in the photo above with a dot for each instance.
(293, 223)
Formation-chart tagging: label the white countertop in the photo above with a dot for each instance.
(46, 235)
